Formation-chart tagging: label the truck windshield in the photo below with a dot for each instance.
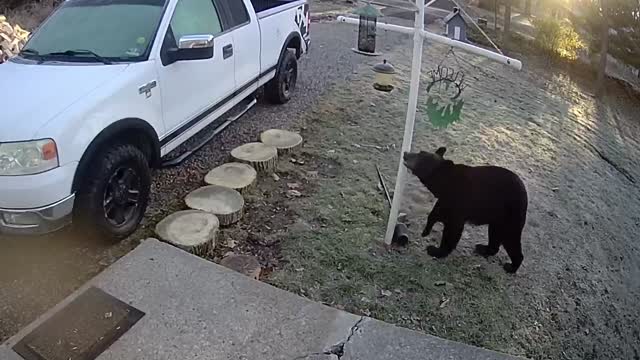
(97, 30)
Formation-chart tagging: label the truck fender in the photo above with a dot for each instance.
(293, 41)
(131, 130)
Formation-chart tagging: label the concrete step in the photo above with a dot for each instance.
(197, 309)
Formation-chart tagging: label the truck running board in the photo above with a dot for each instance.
(234, 114)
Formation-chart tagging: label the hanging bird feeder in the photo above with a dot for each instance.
(367, 29)
(384, 76)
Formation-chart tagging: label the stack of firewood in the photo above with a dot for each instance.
(12, 39)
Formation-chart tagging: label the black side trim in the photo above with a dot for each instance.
(188, 125)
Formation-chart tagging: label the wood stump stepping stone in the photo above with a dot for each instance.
(237, 176)
(223, 202)
(244, 264)
(283, 140)
(262, 157)
(190, 230)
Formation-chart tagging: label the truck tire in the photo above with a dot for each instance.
(281, 87)
(114, 196)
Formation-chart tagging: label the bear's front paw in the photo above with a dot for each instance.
(426, 232)
(436, 252)
(510, 268)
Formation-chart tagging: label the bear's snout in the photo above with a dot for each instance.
(410, 160)
(406, 156)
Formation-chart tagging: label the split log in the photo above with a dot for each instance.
(237, 176)
(12, 39)
(244, 264)
(283, 140)
(190, 230)
(225, 203)
(262, 157)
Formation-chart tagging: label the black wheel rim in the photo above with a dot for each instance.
(122, 196)
(289, 83)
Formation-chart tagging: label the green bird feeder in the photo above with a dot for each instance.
(367, 29)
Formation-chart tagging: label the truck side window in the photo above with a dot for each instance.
(195, 17)
(239, 14)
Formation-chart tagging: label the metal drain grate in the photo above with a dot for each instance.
(82, 330)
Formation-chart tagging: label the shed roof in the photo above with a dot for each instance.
(453, 14)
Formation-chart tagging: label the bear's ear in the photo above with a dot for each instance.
(441, 151)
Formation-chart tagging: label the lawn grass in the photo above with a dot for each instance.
(337, 256)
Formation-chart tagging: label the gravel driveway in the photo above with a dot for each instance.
(36, 273)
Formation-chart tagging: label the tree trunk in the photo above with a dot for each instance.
(604, 49)
(507, 21)
(527, 7)
(283, 140)
(190, 230)
(263, 158)
(225, 203)
(237, 176)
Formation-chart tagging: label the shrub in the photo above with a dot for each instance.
(557, 38)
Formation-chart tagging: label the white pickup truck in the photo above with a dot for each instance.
(104, 89)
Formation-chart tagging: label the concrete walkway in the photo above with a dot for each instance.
(196, 309)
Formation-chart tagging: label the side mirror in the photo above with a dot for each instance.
(192, 47)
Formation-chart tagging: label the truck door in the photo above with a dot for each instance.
(246, 40)
(192, 88)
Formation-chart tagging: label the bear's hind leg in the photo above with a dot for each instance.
(513, 247)
(450, 238)
(495, 239)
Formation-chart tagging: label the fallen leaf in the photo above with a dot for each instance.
(385, 292)
(293, 185)
(355, 161)
(108, 315)
(294, 193)
(275, 177)
(366, 312)
(312, 174)
(232, 243)
(440, 283)
(444, 303)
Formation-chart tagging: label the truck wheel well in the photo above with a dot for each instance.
(294, 43)
(126, 131)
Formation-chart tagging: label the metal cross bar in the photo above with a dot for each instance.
(514, 63)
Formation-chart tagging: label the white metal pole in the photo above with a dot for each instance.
(414, 87)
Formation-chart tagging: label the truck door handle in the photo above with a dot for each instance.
(227, 51)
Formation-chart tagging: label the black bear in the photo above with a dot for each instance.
(480, 195)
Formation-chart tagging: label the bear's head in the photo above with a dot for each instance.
(422, 164)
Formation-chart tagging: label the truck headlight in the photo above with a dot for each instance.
(28, 157)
